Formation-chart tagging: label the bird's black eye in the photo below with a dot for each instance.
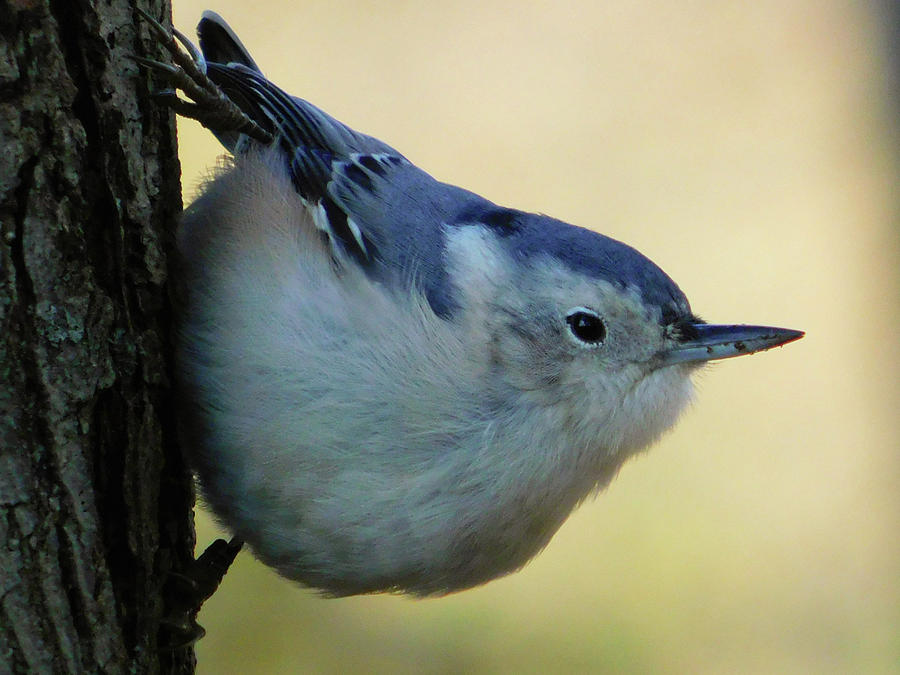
(587, 327)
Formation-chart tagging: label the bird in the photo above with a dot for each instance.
(388, 383)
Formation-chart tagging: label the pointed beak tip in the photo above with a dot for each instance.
(713, 342)
(790, 335)
(776, 337)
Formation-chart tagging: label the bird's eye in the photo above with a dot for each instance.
(586, 326)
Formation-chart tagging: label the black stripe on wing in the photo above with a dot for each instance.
(313, 144)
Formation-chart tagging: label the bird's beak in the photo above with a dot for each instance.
(710, 342)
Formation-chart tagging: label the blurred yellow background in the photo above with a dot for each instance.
(750, 150)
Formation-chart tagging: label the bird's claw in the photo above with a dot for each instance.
(186, 592)
(206, 102)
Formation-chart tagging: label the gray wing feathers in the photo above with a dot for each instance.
(403, 212)
(376, 208)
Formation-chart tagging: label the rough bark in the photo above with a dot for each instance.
(95, 502)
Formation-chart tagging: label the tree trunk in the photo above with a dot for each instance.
(95, 501)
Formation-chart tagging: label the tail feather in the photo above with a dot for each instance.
(219, 43)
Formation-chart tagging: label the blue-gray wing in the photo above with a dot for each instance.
(377, 209)
(383, 213)
(402, 215)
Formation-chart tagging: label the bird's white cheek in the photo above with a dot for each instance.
(653, 406)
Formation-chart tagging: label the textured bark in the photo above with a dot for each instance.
(95, 502)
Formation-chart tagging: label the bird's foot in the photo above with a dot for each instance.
(186, 591)
(205, 101)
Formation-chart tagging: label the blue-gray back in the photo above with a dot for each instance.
(389, 216)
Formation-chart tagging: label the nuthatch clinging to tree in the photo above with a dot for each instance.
(390, 383)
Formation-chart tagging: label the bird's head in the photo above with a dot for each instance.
(584, 324)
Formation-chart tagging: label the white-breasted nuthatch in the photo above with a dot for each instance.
(390, 383)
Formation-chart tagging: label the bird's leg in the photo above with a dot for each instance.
(185, 592)
(206, 102)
